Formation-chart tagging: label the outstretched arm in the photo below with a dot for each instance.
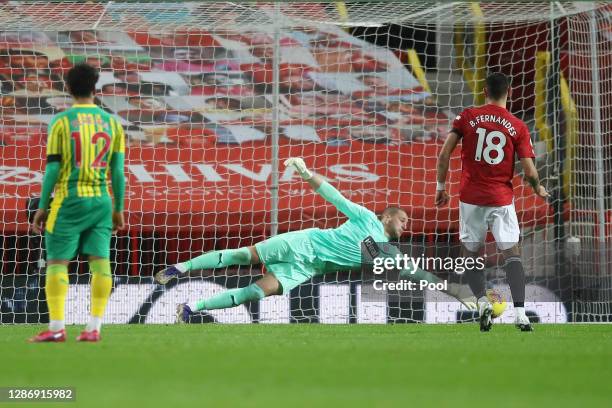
(465, 297)
(415, 274)
(326, 190)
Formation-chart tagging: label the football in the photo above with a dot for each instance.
(498, 302)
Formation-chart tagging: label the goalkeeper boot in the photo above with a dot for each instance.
(166, 275)
(485, 309)
(89, 336)
(49, 336)
(183, 312)
(523, 323)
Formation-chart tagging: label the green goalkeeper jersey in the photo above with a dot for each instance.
(340, 248)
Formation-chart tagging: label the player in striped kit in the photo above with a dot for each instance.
(85, 147)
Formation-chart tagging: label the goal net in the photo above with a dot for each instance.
(214, 97)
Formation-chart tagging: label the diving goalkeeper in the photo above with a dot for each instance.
(293, 258)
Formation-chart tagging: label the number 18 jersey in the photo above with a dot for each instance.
(83, 139)
(491, 137)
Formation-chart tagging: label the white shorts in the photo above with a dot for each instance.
(475, 220)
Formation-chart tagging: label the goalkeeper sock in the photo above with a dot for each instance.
(515, 274)
(101, 286)
(229, 298)
(217, 259)
(56, 288)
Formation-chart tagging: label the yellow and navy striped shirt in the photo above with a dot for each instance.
(84, 138)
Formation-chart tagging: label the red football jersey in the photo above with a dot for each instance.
(491, 136)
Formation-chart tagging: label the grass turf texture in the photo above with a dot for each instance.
(318, 365)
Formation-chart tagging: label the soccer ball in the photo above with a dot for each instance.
(498, 302)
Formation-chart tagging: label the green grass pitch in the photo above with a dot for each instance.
(310, 365)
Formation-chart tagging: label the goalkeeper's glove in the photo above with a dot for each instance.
(470, 303)
(298, 164)
(463, 295)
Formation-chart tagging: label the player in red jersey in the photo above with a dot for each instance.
(491, 137)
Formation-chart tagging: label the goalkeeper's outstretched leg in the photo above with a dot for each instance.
(210, 260)
(266, 286)
(286, 256)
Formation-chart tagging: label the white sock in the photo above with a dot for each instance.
(55, 325)
(520, 312)
(181, 267)
(95, 323)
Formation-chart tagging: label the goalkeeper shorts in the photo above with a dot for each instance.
(290, 258)
(79, 225)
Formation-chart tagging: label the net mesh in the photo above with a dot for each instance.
(160, 16)
(366, 94)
